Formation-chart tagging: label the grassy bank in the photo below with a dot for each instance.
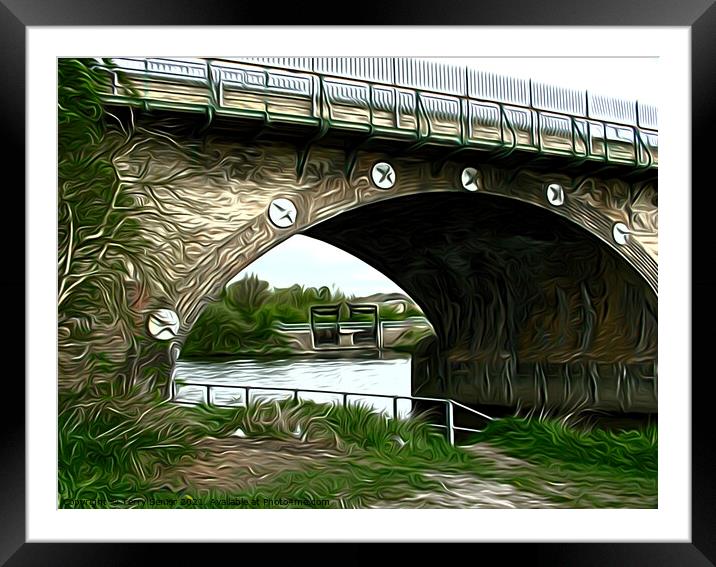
(633, 452)
(119, 453)
(585, 467)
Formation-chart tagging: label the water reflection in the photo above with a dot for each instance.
(366, 377)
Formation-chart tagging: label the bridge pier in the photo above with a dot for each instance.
(542, 387)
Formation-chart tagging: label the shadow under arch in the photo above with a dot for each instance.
(529, 309)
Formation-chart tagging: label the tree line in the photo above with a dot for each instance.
(244, 319)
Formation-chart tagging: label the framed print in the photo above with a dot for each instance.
(293, 271)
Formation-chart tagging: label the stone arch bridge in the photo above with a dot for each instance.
(521, 216)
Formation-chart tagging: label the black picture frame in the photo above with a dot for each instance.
(699, 15)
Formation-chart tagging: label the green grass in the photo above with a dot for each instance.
(352, 484)
(600, 467)
(549, 441)
(114, 450)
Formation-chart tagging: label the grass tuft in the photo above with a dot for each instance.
(548, 441)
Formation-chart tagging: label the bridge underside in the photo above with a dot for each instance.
(528, 309)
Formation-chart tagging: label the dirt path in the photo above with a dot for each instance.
(468, 491)
(557, 491)
(471, 491)
(496, 456)
(236, 464)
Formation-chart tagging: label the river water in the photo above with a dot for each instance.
(365, 377)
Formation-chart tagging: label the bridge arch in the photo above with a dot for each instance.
(321, 193)
(528, 307)
(205, 196)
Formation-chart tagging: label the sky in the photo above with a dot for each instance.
(310, 262)
(626, 77)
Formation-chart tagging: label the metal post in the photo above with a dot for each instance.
(345, 400)
(246, 389)
(450, 423)
(395, 408)
(208, 395)
(295, 396)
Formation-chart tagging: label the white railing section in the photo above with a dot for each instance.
(450, 405)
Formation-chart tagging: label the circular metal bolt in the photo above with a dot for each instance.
(383, 175)
(620, 232)
(282, 213)
(470, 179)
(163, 324)
(555, 194)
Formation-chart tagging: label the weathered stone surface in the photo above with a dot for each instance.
(200, 197)
(202, 200)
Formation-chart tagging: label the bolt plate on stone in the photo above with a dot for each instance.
(620, 232)
(163, 324)
(555, 194)
(470, 179)
(383, 175)
(282, 213)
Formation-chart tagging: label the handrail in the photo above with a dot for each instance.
(449, 403)
(210, 74)
(206, 65)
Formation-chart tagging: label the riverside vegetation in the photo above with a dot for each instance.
(243, 321)
(125, 452)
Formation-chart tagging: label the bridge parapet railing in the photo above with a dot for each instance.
(294, 394)
(397, 98)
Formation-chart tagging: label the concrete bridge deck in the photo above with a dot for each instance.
(398, 99)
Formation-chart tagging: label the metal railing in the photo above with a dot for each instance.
(486, 111)
(450, 405)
